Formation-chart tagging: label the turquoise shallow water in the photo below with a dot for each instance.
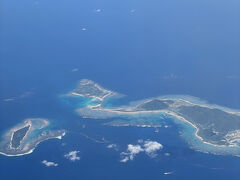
(181, 160)
(161, 120)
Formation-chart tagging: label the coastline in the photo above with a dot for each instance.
(24, 137)
(97, 109)
(131, 110)
(32, 150)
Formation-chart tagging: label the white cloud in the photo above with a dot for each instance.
(9, 99)
(26, 94)
(132, 151)
(149, 147)
(72, 156)
(21, 96)
(98, 10)
(170, 76)
(75, 70)
(133, 10)
(168, 173)
(113, 146)
(48, 163)
(125, 159)
(110, 146)
(167, 154)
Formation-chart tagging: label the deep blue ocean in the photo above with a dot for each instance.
(138, 48)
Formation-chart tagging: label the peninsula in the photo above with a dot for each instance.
(214, 125)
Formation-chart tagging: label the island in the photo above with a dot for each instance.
(155, 104)
(214, 125)
(18, 136)
(88, 88)
(24, 137)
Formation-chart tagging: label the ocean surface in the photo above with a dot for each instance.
(138, 48)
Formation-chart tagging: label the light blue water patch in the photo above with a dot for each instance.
(111, 102)
(188, 132)
(143, 120)
(79, 101)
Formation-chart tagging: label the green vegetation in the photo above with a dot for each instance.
(89, 89)
(154, 104)
(214, 124)
(18, 136)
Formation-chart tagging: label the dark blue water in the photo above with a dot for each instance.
(164, 47)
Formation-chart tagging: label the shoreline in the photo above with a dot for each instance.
(32, 150)
(172, 114)
(173, 110)
(130, 110)
(24, 137)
